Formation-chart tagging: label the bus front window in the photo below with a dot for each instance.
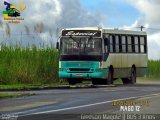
(81, 46)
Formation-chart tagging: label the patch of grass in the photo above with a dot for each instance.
(156, 79)
(12, 95)
(30, 86)
(14, 86)
(118, 81)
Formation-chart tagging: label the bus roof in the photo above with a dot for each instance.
(111, 31)
(84, 28)
(120, 31)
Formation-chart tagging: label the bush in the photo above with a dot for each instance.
(28, 65)
(154, 68)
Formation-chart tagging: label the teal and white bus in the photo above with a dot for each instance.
(102, 55)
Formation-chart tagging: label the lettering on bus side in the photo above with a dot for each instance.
(94, 33)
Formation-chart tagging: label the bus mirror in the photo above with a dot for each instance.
(105, 56)
(106, 42)
(57, 45)
(89, 39)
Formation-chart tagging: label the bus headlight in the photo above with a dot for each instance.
(61, 69)
(64, 69)
(67, 69)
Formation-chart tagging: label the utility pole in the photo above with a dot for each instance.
(142, 27)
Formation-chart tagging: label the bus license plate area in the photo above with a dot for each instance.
(79, 75)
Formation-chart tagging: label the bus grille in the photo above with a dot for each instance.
(79, 69)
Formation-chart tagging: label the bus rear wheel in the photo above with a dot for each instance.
(126, 81)
(133, 76)
(110, 77)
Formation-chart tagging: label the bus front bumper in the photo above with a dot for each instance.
(102, 75)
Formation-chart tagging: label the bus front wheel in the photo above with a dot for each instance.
(95, 81)
(73, 81)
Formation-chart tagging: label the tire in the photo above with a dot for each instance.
(98, 81)
(95, 81)
(71, 81)
(110, 77)
(133, 76)
(126, 81)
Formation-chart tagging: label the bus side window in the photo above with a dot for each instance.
(129, 40)
(120, 44)
(142, 45)
(111, 43)
(106, 43)
(145, 44)
(117, 44)
(136, 44)
(123, 38)
(133, 44)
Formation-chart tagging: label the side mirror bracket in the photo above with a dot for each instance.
(106, 41)
(57, 45)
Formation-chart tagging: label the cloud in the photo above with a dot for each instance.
(151, 16)
(58, 13)
(53, 14)
(150, 20)
(131, 27)
(152, 38)
(74, 15)
(150, 11)
(154, 46)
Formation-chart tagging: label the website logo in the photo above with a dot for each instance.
(12, 14)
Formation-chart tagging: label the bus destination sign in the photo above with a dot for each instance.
(94, 33)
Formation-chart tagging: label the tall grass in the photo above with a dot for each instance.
(153, 69)
(28, 65)
(40, 66)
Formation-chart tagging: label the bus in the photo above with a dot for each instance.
(102, 55)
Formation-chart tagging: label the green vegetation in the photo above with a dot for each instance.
(38, 67)
(118, 81)
(11, 95)
(31, 86)
(154, 69)
(28, 65)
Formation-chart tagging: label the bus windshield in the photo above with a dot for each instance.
(81, 46)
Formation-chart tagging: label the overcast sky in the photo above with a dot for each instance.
(123, 14)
